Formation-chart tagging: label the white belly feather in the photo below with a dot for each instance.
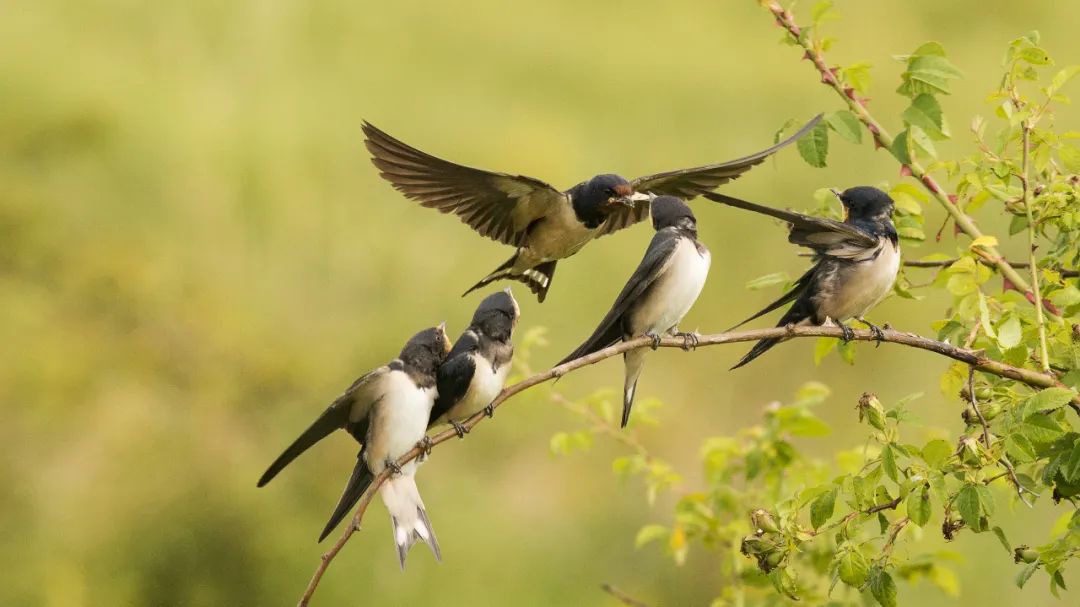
(485, 386)
(398, 422)
(675, 292)
(863, 285)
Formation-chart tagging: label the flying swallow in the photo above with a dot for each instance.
(387, 411)
(542, 223)
(476, 368)
(855, 266)
(658, 295)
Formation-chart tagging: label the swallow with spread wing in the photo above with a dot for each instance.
(856, 262)
(658, 295)
(542, 223)
(387, 411)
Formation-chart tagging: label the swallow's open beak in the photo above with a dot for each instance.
(837, 193)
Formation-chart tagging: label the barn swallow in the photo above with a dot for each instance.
(542, 223)
(659, 293)
(855, 263)
(476, 368)
(387, 412)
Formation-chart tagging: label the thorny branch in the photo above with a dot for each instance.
(974, 358)
(883, 139)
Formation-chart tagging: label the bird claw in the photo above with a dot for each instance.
(489, 410)
(425, 445)
(395, 469)
(655, 340)
(690, 340)
(846, 334)
(879, 335)
(459, 428)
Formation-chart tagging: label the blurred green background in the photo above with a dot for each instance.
(196, 256)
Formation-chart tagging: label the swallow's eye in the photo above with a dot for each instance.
(610, 192)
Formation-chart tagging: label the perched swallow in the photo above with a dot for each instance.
(659, 293)
(475, 370)
(542, 223)
(855, 263)
(387, 411)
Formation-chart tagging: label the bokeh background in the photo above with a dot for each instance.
(196, 256)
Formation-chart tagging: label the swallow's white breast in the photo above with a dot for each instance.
(399, 420)
(858, 287)
(673, 294)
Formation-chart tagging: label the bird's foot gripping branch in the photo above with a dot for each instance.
(1035, 410)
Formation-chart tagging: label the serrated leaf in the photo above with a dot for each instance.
(846, 125)
(882, 587)
(649, 533)
(900, 148)
(918, 505)
(986, 499)
(814, 146)
(1009, 333)
(888, 462)
(858, 76)
(1071, 469)
(1041, 428)
(936, 452)
(968, 505)
(925, 113)
(853, 568)
(1025, 574)
(1048, 399)
(921, 141)
(1070, 157)
(821, 509)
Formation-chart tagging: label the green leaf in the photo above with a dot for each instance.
(650, 533)
(1070, 157)
(968, 505)
(888, 462)
(1034, 55)
(1048, 400)
(936, 452)
(1001, 538)
(846, 125)
(1009, 333)
(822, 347)
(814, 146)
(931, 73)
(882, 587)
(1025, 574)
(900, 148)
(858, 76)
(925, 113)
(1041, 428)
(1061, 78)
(984, 317)
(918, 505)
(821, 509)
(922, 141)
(986, 499)
(853, 568)
(1071, 469)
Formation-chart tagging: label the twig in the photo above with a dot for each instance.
(622, 597)
(975, 405)
(971, 357)
(882, 138)
(944, 263)
(1044, 351)
(1004, 461)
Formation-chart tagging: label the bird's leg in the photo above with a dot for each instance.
(655, 337)
(395, 469)
(846, 334)
(879, 335)
(459, 428)
(690, 338)
(489, 410)
(425, 445)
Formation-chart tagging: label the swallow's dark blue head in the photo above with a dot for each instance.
(426, 350)
(669, 211)
(865, 202)
(497, 316)
(600, 196)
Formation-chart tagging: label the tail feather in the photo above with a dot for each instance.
(799, 313)
(791, 295)
(330, 420)
(408, 517)
(634, 362)
(538, 278)
(359, 481)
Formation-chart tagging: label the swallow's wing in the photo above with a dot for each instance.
(497, 205)
(691, 183)
(351, 411)
(825, 236)
(455, 375)
(656, 261)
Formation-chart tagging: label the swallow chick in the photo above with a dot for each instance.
(658, 295)
(475, 370)
(543, 224)
(855, 263)
(387, 412)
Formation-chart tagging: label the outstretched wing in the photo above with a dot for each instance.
(350, 411)
(691, 183)
(656, 261)
(496, 205)
(825, 236)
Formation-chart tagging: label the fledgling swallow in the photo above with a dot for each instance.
(855, 263)
(387, 412)
(476, 368)
(542, 223)
(658, 295)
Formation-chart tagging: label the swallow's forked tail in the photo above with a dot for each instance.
(538, 278)
(409, 518)
(634, 360)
